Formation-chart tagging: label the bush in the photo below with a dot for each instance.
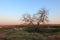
(55, 29)
(30, 29)
(42, 30)
(37, 29)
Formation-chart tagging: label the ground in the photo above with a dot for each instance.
(20, 34)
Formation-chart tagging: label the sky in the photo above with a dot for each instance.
(12, 10)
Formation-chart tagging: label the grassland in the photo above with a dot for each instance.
(30, 33)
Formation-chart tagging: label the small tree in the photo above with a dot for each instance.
(41, 16)
(27, 18)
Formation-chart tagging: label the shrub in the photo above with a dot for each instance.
(42, 30)
(55, 29)
(30, 29)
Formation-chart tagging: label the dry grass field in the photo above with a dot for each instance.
(15, 32)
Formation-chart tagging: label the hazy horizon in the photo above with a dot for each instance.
(12, 10)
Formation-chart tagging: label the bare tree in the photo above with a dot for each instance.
(41, 16)
(27, 18)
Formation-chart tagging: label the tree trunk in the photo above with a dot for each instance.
(37, 28)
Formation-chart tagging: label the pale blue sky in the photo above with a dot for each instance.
(11, 10)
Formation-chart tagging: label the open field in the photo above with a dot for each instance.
(28, 32)
(21, 25)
